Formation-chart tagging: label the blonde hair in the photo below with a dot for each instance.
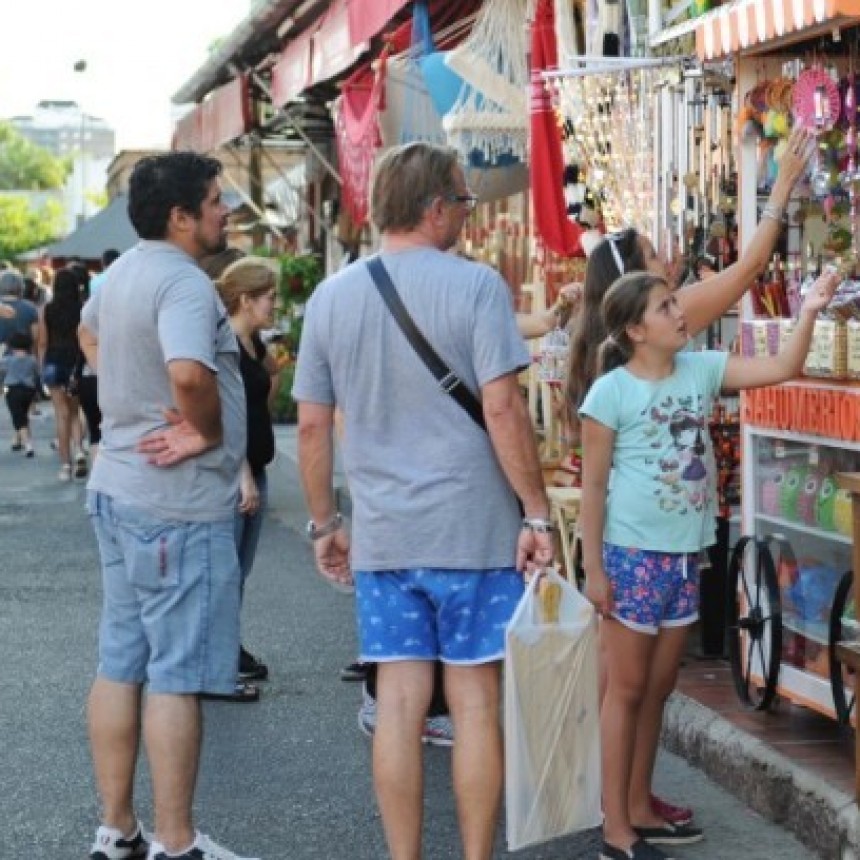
(250, 276)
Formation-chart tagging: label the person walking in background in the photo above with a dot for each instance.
(24, 316)
(644, 420)
(21, 380)
(439, 543)
(109, 256)
(703, 303)
(162, 498)
(58, 357)
(248, 289)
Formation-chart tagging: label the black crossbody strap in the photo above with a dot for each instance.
(448, 380)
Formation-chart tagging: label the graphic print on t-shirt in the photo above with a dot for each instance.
(681, 475)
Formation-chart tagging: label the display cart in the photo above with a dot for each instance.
(791, 586)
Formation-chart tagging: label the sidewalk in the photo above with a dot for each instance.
(793, 766)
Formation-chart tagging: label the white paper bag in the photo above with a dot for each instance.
(552, 726)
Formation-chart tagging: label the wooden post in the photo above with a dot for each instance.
(850, 656)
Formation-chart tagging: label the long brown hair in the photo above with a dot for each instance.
(589, 331)
(624, 305)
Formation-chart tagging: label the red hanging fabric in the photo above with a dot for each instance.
(358, 138)
(546, 163)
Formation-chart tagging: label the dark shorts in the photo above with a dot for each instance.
(56, 374)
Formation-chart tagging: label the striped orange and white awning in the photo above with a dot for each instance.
(746, 23)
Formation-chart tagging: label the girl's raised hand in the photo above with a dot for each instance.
(801, 144)
(821, 292)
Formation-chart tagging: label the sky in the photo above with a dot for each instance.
(138, 55)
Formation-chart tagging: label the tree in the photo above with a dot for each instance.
(23, 227)
(27, 167)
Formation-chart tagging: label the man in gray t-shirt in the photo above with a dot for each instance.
(162, 496)
(439, 544)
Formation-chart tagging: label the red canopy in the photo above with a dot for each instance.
(546, 163)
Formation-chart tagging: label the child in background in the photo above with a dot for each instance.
(643, 530)
(21, 382)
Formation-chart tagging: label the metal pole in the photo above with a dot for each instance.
(299, 130)
(81, 66)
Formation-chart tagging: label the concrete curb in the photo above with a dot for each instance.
(824, 819)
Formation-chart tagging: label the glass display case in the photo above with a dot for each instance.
(793, 598)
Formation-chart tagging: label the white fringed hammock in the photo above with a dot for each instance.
(490, 115)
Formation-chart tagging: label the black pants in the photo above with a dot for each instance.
(18, 399)
(88, 396)
(438, 705)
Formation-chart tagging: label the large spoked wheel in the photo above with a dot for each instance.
(754, 622)
(841, 677)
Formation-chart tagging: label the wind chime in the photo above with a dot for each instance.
(609, 130)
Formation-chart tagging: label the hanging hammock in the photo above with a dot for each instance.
(489, 116)
(410, 113)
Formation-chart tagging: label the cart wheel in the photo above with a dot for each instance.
(841, 677)
(754, 622)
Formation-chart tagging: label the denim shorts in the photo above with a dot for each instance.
(170, 616)
(56, 375)
(652, 589)
(428, 614)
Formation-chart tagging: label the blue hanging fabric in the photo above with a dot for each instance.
(422, 36)
(443, 83)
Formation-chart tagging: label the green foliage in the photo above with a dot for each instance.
(284, 409)
(27, 167)
(23, 227)
(299, 276)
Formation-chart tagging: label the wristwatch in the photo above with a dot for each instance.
(315, 533)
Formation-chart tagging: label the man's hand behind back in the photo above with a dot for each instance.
(173, 444)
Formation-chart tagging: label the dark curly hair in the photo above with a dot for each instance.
(161, 182)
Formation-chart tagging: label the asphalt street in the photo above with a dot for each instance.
(287, 778)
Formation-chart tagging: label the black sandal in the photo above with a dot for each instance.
(243, 692)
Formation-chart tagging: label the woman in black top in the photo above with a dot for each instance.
(58, 354)
(247, 287)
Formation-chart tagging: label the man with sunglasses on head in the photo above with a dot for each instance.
(439, 544)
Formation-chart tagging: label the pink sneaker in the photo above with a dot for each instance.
(678, 815)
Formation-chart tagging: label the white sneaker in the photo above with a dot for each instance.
(202, 849)
(65, 473)
(112, 844)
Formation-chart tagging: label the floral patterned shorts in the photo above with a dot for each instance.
(652, 589)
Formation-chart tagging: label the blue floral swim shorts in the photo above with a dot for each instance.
(652, 589)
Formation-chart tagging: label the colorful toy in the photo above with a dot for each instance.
(772, 477)
(790, 491)
(842, 515)
(825, 504)
(808, 497)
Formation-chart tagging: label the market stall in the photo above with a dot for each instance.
(792, 594)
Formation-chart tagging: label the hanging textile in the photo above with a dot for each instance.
(410, 113)
(357, 137)
(546, 165)
(487, 122)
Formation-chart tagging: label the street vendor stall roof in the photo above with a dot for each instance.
(109, 228)
(744, 24)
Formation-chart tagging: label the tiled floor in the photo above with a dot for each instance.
(812, 741)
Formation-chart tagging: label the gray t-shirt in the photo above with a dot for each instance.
(20, 369)
(426, 486)
(156, 306)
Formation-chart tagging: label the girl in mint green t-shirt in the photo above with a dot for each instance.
(643, 421)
